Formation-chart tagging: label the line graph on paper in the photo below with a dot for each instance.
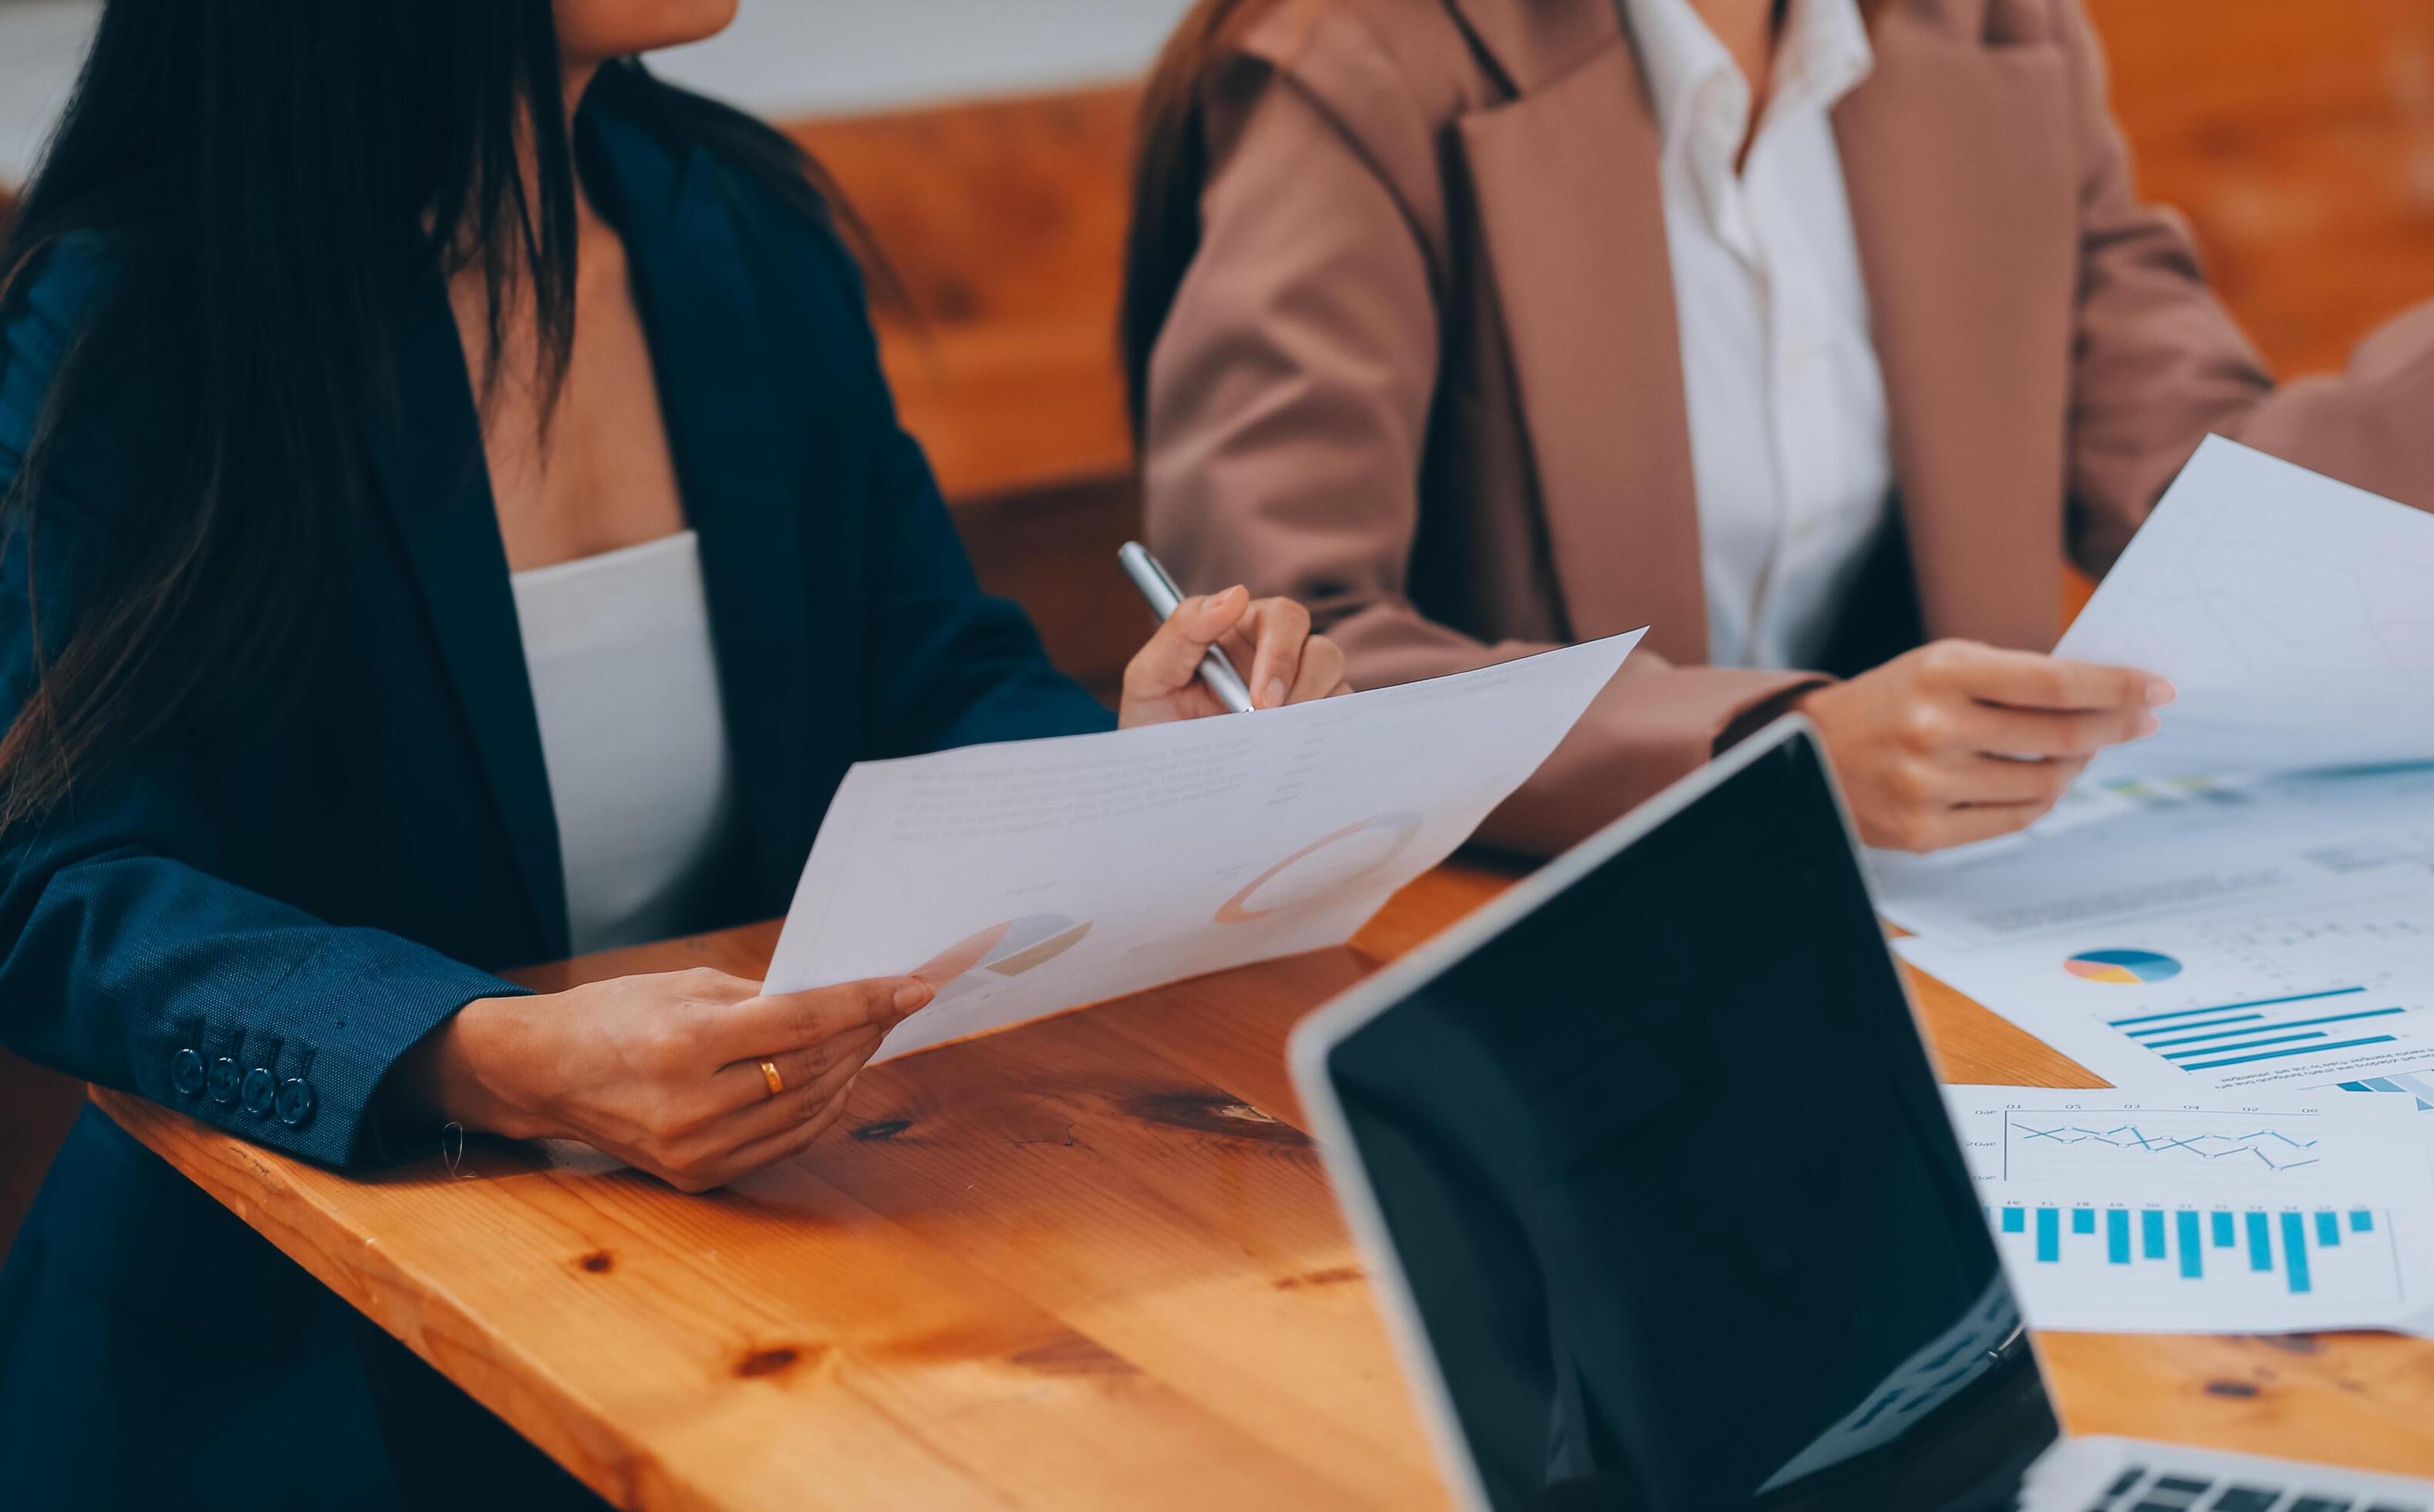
(2153, 1216)
(2068, 1145)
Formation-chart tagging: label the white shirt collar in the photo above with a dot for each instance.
(1824, 53)
(1701, 99)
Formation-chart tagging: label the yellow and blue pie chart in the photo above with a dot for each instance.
(2123, 968)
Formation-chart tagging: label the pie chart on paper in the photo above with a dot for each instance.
(1001, 951)
(1330, 864)
(2123, 968)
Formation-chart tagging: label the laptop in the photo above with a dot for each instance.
(1652, 1171)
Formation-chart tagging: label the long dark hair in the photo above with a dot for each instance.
(269, 177)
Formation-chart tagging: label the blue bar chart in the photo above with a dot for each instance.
(2116, 1213)
(2225, 1002)
(2290, 1245)
(2295, 1029)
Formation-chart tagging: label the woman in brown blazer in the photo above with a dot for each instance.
(1484, 325)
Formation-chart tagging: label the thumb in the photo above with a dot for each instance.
(1172, 657)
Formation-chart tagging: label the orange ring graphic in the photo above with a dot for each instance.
(1237, 909)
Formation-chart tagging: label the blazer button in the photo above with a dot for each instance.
(297, 1102)
(224, 1080)
(187, 1072)
(260, 1092)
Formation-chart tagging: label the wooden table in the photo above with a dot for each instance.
(1090, 1263)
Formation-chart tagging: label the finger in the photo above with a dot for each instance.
(1985, 821)
(743, 1085)
(2026, 679)
(766, 1025)
(2000, 730)
(1242, 645)
(1278, 627)
(1937, 827)
(771, 1114)
(1171, 658)
(1322, 671)
(1996, 780)
(1912, 799)
(784, 1144)
(1194, 701)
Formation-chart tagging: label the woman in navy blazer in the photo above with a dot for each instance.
(289, 379)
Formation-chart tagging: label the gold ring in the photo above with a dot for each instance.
(769, 1074)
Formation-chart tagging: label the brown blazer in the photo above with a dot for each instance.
(1423, 371)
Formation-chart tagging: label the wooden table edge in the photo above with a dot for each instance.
(254, 1182)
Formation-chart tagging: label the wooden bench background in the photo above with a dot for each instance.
(2299, 138)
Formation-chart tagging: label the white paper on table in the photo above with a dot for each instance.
(2294, 614)
(2320, 988)
(2118, 855)
(1034, 876)
(2326, 1206)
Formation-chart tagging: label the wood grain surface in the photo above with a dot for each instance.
(2298, 137)
(2299, 140)
(1002, 222)
(1090, 1262)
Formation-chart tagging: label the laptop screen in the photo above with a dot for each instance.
(1675, 1196)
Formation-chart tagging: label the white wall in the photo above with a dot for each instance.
(836, 57)
(780, 57)
(40, 44)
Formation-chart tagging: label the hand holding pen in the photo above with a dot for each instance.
(1186, 670)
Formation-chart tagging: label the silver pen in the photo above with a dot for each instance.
(1216, 669)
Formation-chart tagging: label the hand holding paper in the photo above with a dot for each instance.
(1026, 877)
(2294, 614)
(1958, 742)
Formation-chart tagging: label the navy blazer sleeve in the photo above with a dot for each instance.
(963, 668)
(122, 959)
(948, 664)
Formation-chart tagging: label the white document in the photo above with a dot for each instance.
(2332, 986)
(2116, 1214)
(2121, 854)
(2294, 614)
(1034, 876)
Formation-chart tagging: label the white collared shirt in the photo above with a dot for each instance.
(1788, 445)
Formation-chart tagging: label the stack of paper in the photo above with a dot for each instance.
(2183, 924)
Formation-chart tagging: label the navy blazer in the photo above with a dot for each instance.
(250, 923)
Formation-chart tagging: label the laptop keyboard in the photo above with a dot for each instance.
(2143, 1488)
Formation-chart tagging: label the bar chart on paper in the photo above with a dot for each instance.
(2296, 1029)
(2225, 1261)
(2334, 992)
(2118, 1214)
